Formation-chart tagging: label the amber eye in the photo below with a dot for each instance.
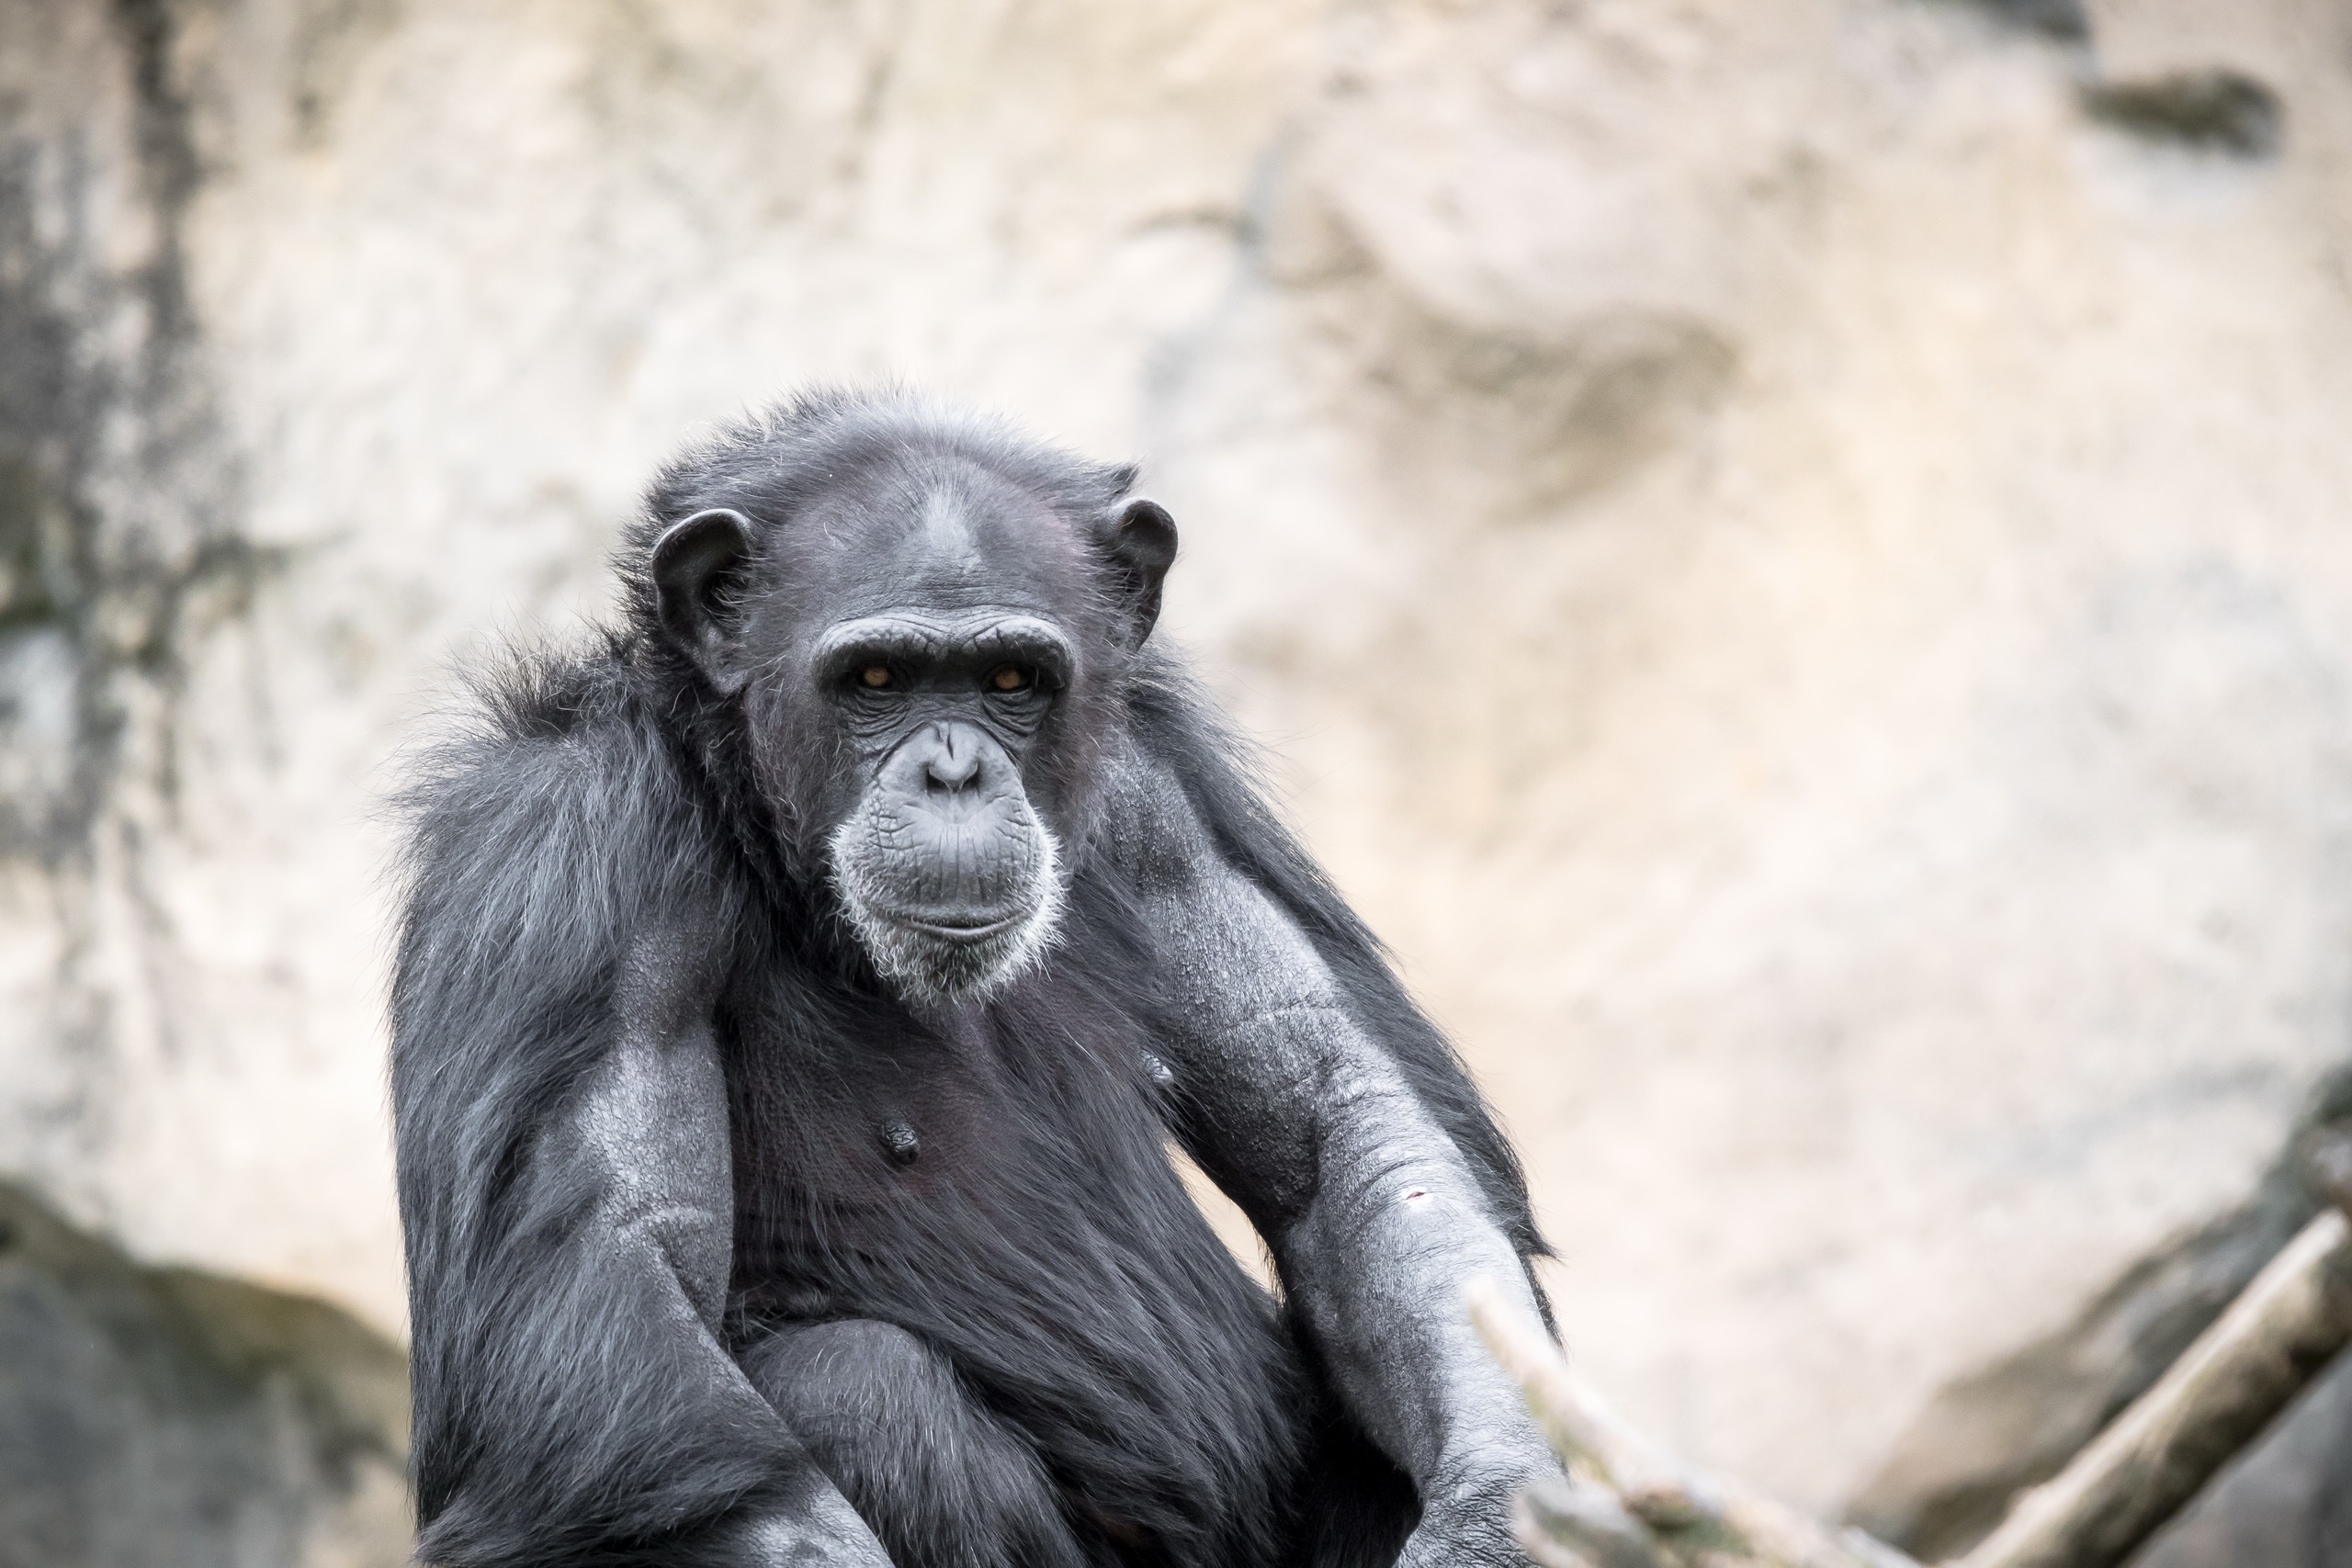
(875, 677)
(1011, 678)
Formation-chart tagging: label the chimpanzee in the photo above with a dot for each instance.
(798, 994)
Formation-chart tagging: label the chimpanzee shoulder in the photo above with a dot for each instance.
(551, 811)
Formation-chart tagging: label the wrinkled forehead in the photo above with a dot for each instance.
(940, 535)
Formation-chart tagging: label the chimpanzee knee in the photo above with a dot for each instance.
(938, 1478)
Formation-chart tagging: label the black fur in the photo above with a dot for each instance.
(1025, 1331)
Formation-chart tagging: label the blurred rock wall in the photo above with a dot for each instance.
(169, 1418)
(1792, 554)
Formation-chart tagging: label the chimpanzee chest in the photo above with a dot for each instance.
(859, 1136)
(884, 1154)
(848, 1134)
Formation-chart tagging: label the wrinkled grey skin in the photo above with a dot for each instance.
(936, 953)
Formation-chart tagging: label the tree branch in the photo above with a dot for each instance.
(2214, 1401)
(1688, 1517)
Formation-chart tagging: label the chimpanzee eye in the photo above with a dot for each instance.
(1011, 678)
(875, 677)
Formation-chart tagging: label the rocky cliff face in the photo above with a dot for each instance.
(1791, 556)
(169, 1418)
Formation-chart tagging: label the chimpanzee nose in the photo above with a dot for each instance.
(951, 760)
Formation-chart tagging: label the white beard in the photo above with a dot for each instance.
(931, 971)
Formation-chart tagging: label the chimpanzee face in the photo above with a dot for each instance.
(917, 656)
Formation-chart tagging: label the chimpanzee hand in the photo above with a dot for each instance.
(1467, 1523)
(1473, 1524)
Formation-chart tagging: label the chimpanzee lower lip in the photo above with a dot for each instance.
(965, 933)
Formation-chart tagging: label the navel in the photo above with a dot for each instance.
(898, 1141)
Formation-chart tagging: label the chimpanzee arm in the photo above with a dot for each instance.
(1294, 1103)
(564, 1179)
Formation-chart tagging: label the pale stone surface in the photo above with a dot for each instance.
(1798, 576)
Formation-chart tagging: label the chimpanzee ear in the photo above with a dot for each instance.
(696, 567)
(1142, 544)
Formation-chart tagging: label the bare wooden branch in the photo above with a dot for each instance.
(1586, 1519)
(1582, 1428)
(1689, 1517)
(2293, 1319)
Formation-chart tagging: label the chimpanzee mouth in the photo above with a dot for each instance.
(934, 958)
(963, 932)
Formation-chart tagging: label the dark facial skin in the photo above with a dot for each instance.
(912, 659)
